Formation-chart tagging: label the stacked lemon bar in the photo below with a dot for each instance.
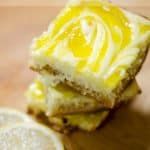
(86, 63)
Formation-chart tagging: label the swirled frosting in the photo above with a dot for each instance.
(95, 40)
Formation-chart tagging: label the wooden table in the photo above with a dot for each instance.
(127, 129)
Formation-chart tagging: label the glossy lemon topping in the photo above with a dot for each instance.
(36, 96)
(98, 37)
(37, 90)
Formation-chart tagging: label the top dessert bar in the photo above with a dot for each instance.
(95, 47)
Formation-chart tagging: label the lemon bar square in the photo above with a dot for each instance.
(95, 46)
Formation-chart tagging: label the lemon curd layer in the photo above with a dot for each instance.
(95, 45)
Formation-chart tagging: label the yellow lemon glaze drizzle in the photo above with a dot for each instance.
(145, 28)
(36, 90)
(77, 42)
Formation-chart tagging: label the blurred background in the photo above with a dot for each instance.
(20, 21)
(61, 2)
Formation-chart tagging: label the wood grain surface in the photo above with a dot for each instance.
(127, 129)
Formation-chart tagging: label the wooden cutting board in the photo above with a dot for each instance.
(127, 129)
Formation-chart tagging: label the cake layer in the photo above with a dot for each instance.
(62, 100)
(95, 46)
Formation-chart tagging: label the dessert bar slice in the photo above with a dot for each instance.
(85, 121)
(95, 46)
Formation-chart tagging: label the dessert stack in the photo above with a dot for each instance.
(87, 64)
